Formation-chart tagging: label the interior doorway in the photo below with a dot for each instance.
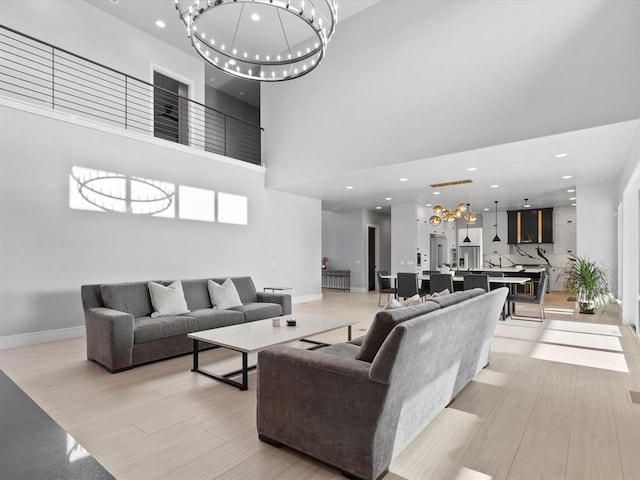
(170, 109)
(372, 255)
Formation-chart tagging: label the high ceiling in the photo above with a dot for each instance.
(502, 87)
(143, 15)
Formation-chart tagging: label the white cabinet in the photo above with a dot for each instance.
(564, 231)
(489, 232)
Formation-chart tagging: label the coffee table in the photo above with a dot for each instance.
(255, 336)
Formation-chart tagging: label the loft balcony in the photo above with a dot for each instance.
(42, 74)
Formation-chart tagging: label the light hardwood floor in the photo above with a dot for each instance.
(552, 404)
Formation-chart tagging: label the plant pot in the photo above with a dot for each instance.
(587, 307)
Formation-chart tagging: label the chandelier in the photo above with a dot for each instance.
(264, 40)
(441, 214)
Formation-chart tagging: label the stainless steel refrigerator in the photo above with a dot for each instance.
(469, 257)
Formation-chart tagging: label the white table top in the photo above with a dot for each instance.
(506, 280)
(255, 336)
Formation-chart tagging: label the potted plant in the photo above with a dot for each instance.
(587, 281)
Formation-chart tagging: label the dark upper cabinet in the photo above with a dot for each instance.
(530, 226)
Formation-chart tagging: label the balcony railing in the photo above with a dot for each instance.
(51, 77)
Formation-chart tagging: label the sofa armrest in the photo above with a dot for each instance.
(109, 337)
(323, 405)
(284, 299)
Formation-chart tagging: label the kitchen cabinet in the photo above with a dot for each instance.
(564, 241)
(530, 226)
(489, 247)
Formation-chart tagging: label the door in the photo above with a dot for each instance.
(372, 258)
(170, 109)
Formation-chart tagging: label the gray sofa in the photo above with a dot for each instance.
(122, 334)
(357, 406)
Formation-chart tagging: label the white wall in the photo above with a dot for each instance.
(596, 226)
(344, 243)
(404, 237)
(47, 250)
(629, 225)
(87, 31)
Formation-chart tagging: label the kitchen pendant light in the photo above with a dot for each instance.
(496, 238)
(468, 209)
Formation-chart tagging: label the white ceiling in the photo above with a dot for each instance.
(522, 169)
(143, 14)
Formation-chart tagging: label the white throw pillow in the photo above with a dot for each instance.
(168, 300)
(415, 300)
(224, 296)
(442, 293)
(393, 303)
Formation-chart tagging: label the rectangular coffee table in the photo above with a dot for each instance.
(255, 336)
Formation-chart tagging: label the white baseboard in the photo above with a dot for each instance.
(24, 339)
(306, 298)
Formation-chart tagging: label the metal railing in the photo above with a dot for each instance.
(51, 77)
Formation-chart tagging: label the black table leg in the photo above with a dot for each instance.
(195, 356)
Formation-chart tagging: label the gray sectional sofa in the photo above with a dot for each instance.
(356, 405)
(122, 334)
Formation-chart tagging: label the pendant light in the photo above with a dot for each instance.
(496, 238)
(467, 239)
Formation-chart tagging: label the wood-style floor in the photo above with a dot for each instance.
(553, 403)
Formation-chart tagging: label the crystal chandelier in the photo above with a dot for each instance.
(264, 40)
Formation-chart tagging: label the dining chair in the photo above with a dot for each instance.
(407, 284)
(537, 299)
(495, 285)
(440, 281)
(476, 281)
(384, 286)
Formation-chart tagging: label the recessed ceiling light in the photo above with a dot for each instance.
(571, 190)
(560, 155)
(404, 179)
(572, 198)
(160, 24)
(232, 62)
(378, 208)
(388, 198)
(567, 177)
(212, 79)
(485, 209)
(471, 169)
(573, 204)
(349, 187)
(428, 205)
(495, 186)
(436, 193)
(255, 17)
(241, 93)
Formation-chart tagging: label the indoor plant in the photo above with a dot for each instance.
(587, 280)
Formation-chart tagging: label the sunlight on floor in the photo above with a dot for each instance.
(467, 474)
(580, 356)
(491, 377)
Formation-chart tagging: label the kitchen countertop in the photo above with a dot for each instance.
(523, 269)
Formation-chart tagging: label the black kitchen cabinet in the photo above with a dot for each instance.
(530, 226)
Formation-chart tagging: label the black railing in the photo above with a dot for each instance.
(52, 77)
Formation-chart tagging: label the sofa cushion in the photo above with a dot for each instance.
(147, 329)
(167, 300)
(214, 317)
(344, 350)
(244, 285)
(132, 298)
(224, 296)
(196, 294)
(259, 311)
(456, 297)
(384, 322)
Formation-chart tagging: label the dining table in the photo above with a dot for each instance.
(507, 281)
